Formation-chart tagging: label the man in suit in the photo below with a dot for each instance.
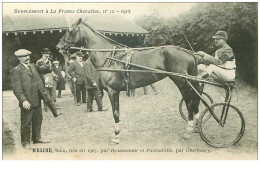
(49, 78)
(59, 71)
(28, 87)
(72, 58)
(92, 80)
(77, 73)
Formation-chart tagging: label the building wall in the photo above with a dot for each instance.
(35, 43)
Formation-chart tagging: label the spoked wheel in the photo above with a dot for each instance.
(183, 109)
(225, 133)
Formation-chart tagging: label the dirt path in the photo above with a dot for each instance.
(147, 122)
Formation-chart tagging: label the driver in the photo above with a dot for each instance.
(222, 66)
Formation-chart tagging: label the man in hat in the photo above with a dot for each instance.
(72, 58)
(49, 78)
(60, 83)
(92, 86)
(77, 73)
(28, 87)
(222, 66)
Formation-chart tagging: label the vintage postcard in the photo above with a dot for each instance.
(129, 81)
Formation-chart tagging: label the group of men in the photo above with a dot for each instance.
(33, 82)
(85, 76)
(30, 84)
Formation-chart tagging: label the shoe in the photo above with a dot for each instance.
(41, 141)
(103, 109)
(156, 93)
(59, 96)
(78, 104)
(84, 102)
(90, 110)
(203, 75)
(27, 147)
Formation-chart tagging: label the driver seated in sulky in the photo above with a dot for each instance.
(222, 66)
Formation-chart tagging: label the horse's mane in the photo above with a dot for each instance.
(119, 45)
(107, 39)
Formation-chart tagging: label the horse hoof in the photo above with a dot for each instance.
(187, 136)
(112, 136)
(196, 130)
(114, 141)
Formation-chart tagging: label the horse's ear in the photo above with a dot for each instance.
(79, 21)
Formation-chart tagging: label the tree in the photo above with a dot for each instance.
(239, 20)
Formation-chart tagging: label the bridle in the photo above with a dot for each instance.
(70, 43)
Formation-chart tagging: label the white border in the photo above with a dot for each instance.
(119, 169)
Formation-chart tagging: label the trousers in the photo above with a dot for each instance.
(71, 84)
(218, 73)
(31, 120)
(51, 92)
(81, 91)
(94, 92)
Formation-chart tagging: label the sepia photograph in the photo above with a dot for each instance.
(130, 81)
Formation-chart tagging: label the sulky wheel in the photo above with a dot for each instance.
(226, 134)
(183, 109)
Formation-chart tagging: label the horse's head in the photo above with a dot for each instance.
(71, 37)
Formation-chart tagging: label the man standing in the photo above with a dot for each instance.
(77, 73)
(92, 79)
(59, 71)
(28, 87)
(72, 58)
(223, 65)
(49, 78)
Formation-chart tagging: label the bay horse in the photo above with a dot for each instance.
(167, 58)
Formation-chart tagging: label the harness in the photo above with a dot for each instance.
(129, 53)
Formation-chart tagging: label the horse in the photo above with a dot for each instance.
(167, 58)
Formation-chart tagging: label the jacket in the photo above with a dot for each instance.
(28, 85)
(224, 58)
(91, 74)
(49, 77)
(76, 71)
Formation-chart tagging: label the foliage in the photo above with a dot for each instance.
(239, 20)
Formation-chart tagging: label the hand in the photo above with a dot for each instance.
(201, 53)
(95, 84)
(55, 78)
(26, 105)
(54, 75)
(74, 80)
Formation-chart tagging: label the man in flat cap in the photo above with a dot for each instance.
(77, 73)
(49, 77)
(28, 87)
(222, 66)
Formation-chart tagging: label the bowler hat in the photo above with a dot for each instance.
(46, 51)
(22, 53)
(80, 54)
(221, 34)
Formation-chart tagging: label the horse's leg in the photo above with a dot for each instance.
(114, 99)
(191, 103)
